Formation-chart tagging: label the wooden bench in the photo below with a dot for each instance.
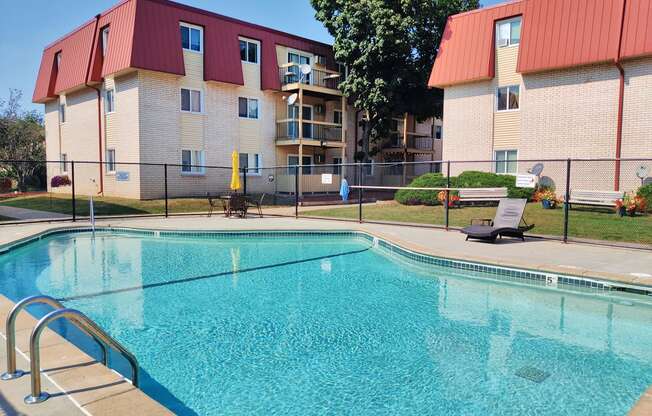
(596, 198)
(482, 194)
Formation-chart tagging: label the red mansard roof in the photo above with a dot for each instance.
(144, 34)
(555, 34)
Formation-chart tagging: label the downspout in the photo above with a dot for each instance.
(99, 105)
(621, 101)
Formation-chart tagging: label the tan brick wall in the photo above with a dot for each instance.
(468, 122)
(122, 134)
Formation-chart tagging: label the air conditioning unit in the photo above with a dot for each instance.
(503, 42)
(319, 109)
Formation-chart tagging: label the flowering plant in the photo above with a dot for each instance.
(631, 203)
(546, 195)
(453, 198)
(58, 181)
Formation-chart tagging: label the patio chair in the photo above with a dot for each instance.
(215, 202)
(509, 216)
(258, 204)
(238, 205)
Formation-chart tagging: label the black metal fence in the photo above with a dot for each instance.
(597, 200)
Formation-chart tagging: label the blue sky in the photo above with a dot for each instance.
(26, 26)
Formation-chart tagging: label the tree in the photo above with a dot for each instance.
(22, 138)
(388, 47)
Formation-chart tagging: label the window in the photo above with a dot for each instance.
(191, 37)
(506, 161)
(337, 116)
(62, 112)
(337, 165)
(248, 108)
(105, 40)
(191, 100)
(109, 104)
(293, 160)
(249, 51)
(57, 60)
(298, 59)
(110, 160)
(507, 98)
(438, 132)
(368, 168)
(508, 32)
(64, 162)
(192, 162)
(253, 162)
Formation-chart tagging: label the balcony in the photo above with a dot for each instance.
(319, 80)
(412, 143)
(314, 133)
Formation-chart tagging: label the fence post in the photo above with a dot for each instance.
(244, 181)
(448, 193)
(567, 198)
(296, 191)
(360, 182)
(165, 182)
(74, 200)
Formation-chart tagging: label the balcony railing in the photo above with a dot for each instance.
(414, 141)
(291, 73)
(288, 129)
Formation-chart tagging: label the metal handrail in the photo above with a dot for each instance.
(84, 323)
(10, 330)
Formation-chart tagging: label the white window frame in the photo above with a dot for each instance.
(57, 60)
(110, 164)
(509, 40)
(105, 40)
(109, 104)
(63, 157)
(201, 37)
(201, 100)
(257, 160)
(197, 167)
(506, 161)
(257, 105)
(508, 87)
(311, 58)
(248, 41)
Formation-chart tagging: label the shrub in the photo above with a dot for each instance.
(5, 184)
(58, 181)
(476, 179)
(429, 180)
(645, 191)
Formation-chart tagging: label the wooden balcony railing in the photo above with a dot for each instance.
(288, 129)
(290, 73)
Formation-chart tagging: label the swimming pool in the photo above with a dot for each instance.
(316, 323)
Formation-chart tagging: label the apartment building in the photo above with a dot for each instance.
(549, 79)
(152, 81)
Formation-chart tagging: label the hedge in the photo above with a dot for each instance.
(646, 192)
(429, 180)
(468, 179)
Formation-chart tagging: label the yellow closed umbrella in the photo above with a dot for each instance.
(235, 174)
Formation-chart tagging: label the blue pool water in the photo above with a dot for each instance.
(332, 325)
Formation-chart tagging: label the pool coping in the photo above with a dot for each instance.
(90, 386)
(593, 280)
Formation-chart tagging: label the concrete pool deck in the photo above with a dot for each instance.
(622, 265)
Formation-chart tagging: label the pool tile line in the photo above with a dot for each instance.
(537, 278)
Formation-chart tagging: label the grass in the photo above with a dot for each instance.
(593, 224)
(107, 205)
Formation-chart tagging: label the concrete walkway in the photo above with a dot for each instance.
(29, 214)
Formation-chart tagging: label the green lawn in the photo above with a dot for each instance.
(583, 223)
(107, 205)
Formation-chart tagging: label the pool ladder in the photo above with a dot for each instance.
(81, 321)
